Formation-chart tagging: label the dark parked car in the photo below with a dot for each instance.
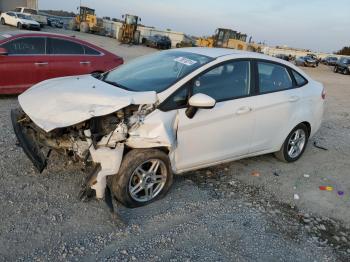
(330, 60)
(54, 22)
(305, 61)
(283, 57)
(343, 65)
(29, 58)
(157, 41)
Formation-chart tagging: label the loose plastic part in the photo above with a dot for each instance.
(326, 188)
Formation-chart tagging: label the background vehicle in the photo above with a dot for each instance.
(19, 20)
(54, 22)
(314, 57)
(28, 58)
(330, 60)
(87, 21)
(129, 34)
(188, 41)
(146, 112)
(305, 61)
(343, 65)
(283, 56)
(34, 14)
(158, 41)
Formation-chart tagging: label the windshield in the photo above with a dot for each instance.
(155, 72)
(24, 16)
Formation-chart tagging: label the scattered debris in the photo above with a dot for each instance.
(306, 175)
(340, 193)
(320, 147)
(326, 188)
(275, 174)
(256, 174)
(296, 197)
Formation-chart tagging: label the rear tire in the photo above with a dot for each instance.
(3, 21)
(294, 145)
(136, 183)
(335, 69)
(19, 25)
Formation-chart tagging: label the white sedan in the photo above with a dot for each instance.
(169, 113)
(19, 20)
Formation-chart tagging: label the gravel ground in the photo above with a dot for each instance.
(220, 214)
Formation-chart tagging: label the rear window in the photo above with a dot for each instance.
(299, 79)
(90, 51)
(65, 47)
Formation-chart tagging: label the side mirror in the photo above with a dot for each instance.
(3, 51)
(199, 101)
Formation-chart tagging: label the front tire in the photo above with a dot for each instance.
(294, 145)
(3, 21)
(335, 69)
(19, 25)
(144, 176)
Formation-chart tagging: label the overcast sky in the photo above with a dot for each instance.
(320, 25)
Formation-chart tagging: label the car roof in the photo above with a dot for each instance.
(222, 52)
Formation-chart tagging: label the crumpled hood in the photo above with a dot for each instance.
(67, 101)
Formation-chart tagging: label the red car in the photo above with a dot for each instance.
(29, 58)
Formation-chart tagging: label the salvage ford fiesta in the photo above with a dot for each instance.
(169, 113)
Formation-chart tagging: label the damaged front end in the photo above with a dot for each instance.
(100, 141)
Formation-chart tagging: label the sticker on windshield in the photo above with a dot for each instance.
(185, 61)
(6, 35)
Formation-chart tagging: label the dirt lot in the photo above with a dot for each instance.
(222, 213)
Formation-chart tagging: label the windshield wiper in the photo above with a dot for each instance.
(116, 84)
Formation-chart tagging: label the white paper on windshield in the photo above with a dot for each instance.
(185, 61)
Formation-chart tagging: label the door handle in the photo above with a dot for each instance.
(85, 62)
(293, 98)
(243, 110)
(41, 63)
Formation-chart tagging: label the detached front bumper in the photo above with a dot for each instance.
(29, 145)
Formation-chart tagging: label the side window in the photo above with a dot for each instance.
(273, 77)
(299, 78)
(227, 81)
(177, 100)
(18, 9)
(29, 11)
(26, 46)
(65, 47)
(90, 51)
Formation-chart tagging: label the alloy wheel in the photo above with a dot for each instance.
(148, 180)
(296, 143)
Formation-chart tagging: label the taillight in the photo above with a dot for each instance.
(323, 95)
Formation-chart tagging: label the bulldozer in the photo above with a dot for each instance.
(225, 38)
(128, 34)
(86, 21)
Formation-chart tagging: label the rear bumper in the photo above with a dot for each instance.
(28, 144)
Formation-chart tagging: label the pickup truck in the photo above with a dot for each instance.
(41, 19)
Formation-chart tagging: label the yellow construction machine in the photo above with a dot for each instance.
(129, 34)
(87, 21)
(226, 38)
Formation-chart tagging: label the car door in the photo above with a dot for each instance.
(223, 132)
(11, 19)
(275, 107)
(25, 64)
(67, 58)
